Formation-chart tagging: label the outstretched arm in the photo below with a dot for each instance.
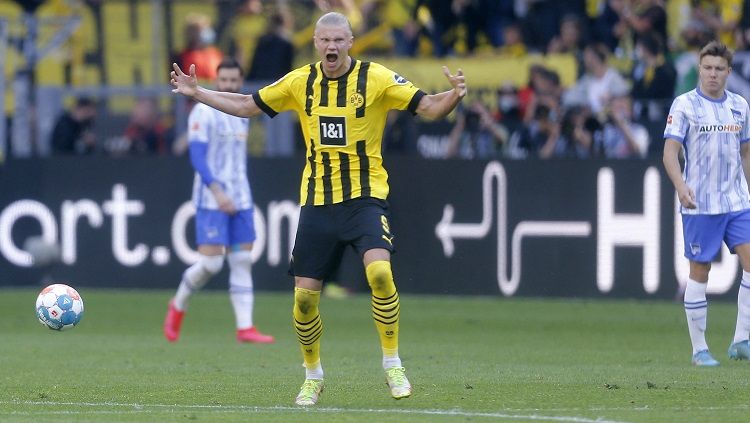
(233, 103)
(437, 106)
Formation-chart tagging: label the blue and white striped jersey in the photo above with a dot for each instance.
(226, 137)
(711, 132)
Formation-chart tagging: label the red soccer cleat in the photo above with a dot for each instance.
(172, 323)
(251, 334)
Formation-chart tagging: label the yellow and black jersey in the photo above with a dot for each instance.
(342, 121)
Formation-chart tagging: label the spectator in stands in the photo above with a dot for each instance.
(570, 40)
(399, 17)
(274, 53)
(514, 45)
(72, 133)
(653, 78)
(273, 58)
(577, 131)
(543, 89)
(608, 28)
(200, 49)
(508, 108)
(599, 83)
(722, 17)
(245, 28)
(488, 17)
(441, 25)
(541, 20)
(476, 134)
(643, 16)
(144, 134)
(542, 131)
(621, 138)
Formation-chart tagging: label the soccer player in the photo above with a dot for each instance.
(224, 210)
(711, 124)
(342, 104)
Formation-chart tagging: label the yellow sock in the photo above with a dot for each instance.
(308, 325)
(385, 305)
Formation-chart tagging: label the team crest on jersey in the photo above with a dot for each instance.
(356, 100)
(737, 115)
(695, 248)
(400, 80)
(669, 120)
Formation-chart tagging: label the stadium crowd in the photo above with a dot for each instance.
(632, 58)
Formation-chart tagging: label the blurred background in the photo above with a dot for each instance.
(564, 118)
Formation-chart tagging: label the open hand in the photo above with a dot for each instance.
(184, 84)
(457, 81)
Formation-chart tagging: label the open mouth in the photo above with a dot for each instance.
(331, 58)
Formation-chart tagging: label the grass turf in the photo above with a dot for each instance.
(469, 359)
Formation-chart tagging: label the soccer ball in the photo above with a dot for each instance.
(59, 307)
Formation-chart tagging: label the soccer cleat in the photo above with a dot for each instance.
(309, 392)
(251, 334)
(739, 350)
(396, 379)
(172, 323)
(704, 359)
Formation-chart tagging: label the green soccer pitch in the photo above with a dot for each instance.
(470, 360)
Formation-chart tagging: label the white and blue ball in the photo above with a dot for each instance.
(59, 307)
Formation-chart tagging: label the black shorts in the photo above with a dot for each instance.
(325, 231)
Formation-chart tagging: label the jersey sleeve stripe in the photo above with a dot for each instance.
(364, 168)
(309, 91)
(326, 178)
(346, 183)
(362, 87)
(263, 106)
(414, 103)
(674, 137)
(311, 179)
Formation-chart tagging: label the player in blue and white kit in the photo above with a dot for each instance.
(711, 125)
(224, 210)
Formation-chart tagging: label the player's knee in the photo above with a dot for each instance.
(306, 300)
(379, 275)
(212, 264)
(240, 259)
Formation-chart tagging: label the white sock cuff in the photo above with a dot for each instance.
(746, 278)
(240, 258)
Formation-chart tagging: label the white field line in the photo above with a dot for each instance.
(149, 408)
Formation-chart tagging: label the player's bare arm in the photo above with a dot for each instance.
(232, 103)
(671, 161)
(437, 106)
